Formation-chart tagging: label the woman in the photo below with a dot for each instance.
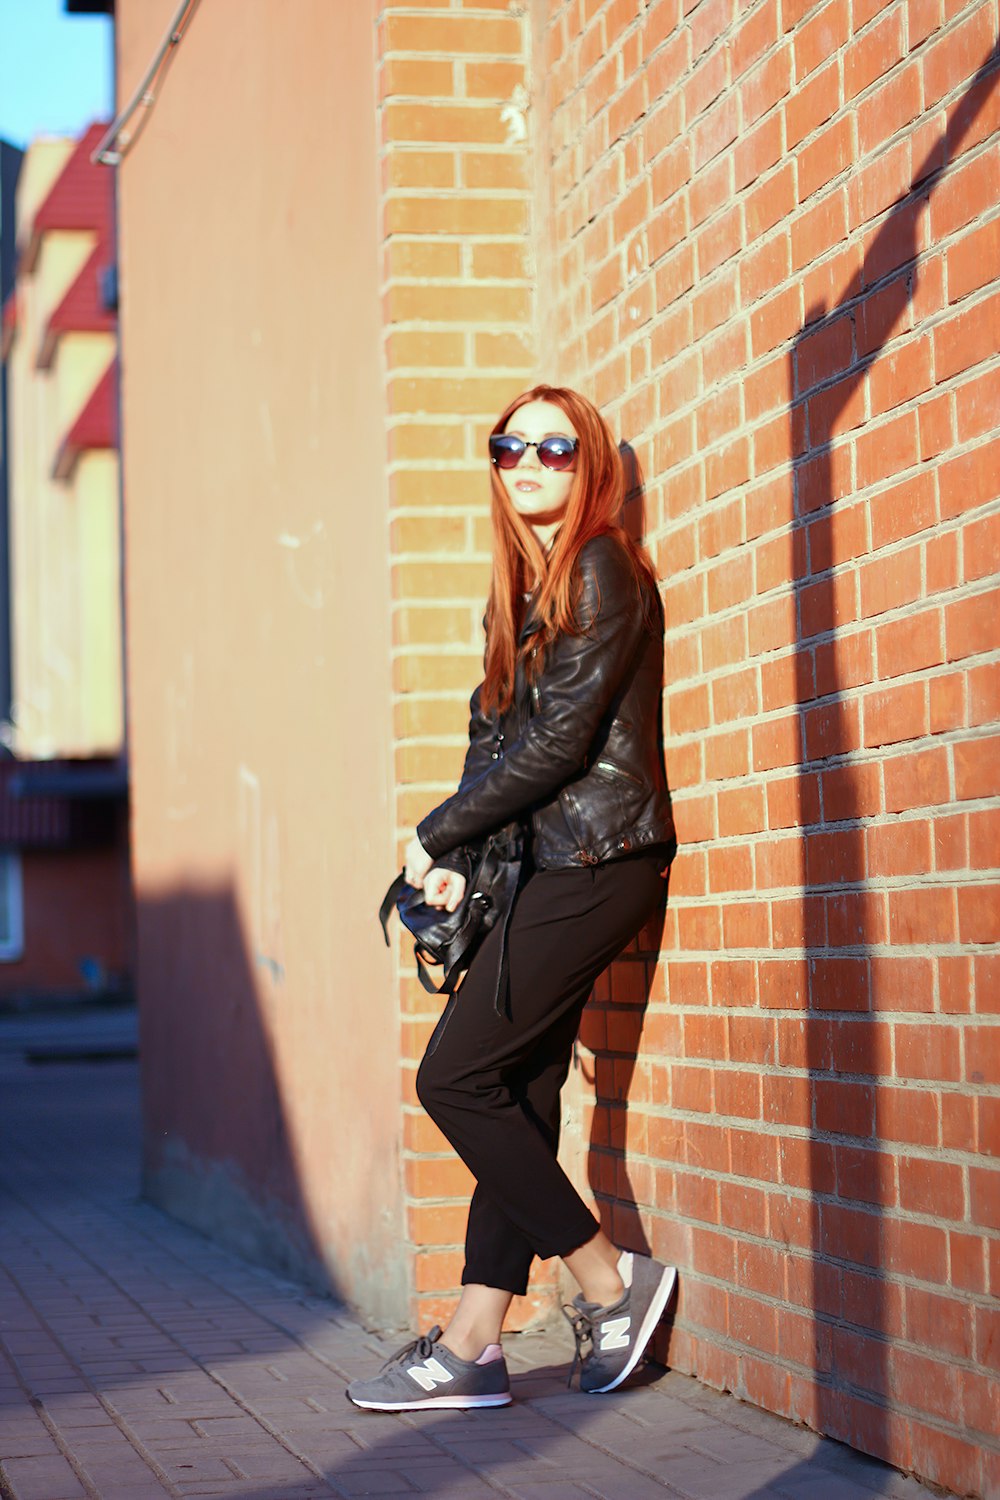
(563, 739)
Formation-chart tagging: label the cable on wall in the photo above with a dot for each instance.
(115, 143)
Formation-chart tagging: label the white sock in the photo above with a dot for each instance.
(490, 1355)
(625, 1264)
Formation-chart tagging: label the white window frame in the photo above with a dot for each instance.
(12, 943)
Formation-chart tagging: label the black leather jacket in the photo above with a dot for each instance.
(578, 757)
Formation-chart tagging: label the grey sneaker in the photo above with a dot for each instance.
(426, 1374)
(618, 1335)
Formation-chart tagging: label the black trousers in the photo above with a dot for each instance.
(491, 1083)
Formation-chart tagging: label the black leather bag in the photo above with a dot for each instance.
(450, 938)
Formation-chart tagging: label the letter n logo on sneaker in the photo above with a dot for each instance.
(614, 1333)
(431, 1373)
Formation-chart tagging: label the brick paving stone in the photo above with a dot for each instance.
(558, 1489)
(48, 1478)
(168, 1367)
(375, 1482)
(827, 1486)
(32, 1443)
(434, 1479)
(737, 1447)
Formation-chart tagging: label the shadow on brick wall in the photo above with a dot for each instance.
(851, 1397)
(613, 1022)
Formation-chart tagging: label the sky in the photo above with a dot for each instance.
(55, 70)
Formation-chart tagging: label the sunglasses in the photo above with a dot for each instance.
(506, 451)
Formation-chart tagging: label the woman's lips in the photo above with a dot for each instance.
(527, 485)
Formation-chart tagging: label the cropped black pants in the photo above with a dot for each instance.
(491, 1083)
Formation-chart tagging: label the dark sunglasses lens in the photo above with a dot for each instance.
(506, 451)
(557, 453)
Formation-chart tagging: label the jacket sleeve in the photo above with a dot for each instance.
(581, 676)
(478, 757)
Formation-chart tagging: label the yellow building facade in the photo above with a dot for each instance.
(65, 552)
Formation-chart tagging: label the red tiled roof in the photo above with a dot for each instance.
(95, 427)
(81, 309)
(82, 197)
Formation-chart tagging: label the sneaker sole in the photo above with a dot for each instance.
(451, 1402)
(654, 1313)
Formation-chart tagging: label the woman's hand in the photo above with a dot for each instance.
(444, 888)
(416, 863)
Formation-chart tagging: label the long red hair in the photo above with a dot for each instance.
(519, 562)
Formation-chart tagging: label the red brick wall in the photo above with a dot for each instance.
(767, 243)
(775, 251)
(458, 310)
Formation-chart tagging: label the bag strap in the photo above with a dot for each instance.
(448, 982)
(389, 903)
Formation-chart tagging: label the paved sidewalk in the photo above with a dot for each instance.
(138, 1360)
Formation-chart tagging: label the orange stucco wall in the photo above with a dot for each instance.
(257, 613)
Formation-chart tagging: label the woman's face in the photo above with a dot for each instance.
(537, 493)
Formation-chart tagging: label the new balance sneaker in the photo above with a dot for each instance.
(617, 1335)
(426, 1374)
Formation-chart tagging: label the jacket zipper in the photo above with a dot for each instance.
(619, 771)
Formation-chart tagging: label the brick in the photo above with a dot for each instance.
(453, 393)
(936, 422)
(783, 983)
(975, 259)
(969, 335)
(917, 779)
(737, 1092)
(977, 403)
(893, 103)
(911, 644)
(889, 448)
(954, 985)
(896, 714)
(819, 228)
(967, 1262)
(460, 124)
(829, 604)
(984, 1195)
(984, 839)
(969, 480)
(979, 914)
(955, 58)
(458, 304)
(441, 214)
(947, 701)
(909, 1115)
(452, 34)
(493, 80)
(889, 582)
(894, 242)
(418, 259)
(931, 1187)
(422, 170)
(878, 184)
(812, 104)
(916, 1250)
(972, 626)
(901, 376)
(504, 170)
(421, 77)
